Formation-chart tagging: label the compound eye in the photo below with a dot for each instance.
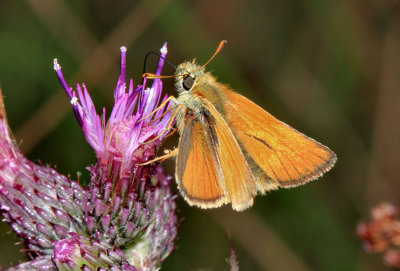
(188, 82)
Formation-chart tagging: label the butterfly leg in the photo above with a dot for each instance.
(170, 98)
(169, 126)
(161, 158)
(162, 115)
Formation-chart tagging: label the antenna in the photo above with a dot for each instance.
(157, 54)
(220, 46)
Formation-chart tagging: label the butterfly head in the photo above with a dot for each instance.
(188, 75)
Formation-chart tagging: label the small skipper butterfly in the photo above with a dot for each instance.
(230, 148)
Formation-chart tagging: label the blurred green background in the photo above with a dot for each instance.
(328, 68)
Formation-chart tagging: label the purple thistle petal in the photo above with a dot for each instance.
(64, 84)
(120, 88)
(68, 91)
(164, 52)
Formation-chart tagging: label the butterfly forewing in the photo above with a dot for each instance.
(284, 154)
(277, 154)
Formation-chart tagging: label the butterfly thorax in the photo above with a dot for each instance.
(191, 83)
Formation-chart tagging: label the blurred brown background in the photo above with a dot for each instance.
(328, 68)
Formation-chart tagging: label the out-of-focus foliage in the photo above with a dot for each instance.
(329, 68)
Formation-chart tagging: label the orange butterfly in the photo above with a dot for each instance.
(230, 148)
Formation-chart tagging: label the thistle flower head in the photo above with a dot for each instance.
(125, 219)
(119, 141)
(125, 199)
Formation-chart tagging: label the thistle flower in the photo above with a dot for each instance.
(126, 219)
(382, 234)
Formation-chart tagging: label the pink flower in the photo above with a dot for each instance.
(127, 215)
(382, 234)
